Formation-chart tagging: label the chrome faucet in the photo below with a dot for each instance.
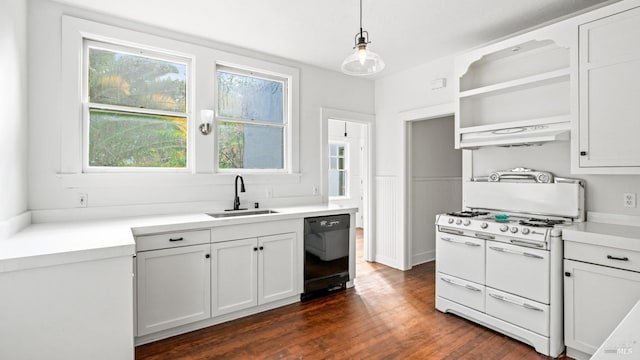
(236, 199)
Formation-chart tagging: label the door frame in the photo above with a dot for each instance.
(407, 118)
(368, 203)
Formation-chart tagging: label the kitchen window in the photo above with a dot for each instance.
(136, 112)
(131, 103)
(251, 120)
(338, 167)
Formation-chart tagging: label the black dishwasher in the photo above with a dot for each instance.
(326, 254)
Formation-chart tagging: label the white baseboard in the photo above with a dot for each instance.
(423, 257)
(394, 263)
(15, 224)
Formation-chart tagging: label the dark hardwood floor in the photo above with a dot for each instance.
(388, 314)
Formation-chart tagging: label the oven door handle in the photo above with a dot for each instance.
(468, 287)
(526, 243)
(523, 304)
(452, 231)
(523, 253)
(468, 243)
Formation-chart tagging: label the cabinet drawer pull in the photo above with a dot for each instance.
(468, 287)
(611, 257)
(523, 304)
(177, 239)
(469, 243)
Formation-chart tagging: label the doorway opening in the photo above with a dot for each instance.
(347, 171)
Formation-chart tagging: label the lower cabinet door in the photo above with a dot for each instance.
(461, 291)
(173, 287)
(596, 299)
(517, 310)
(234, 280)
(277, 267)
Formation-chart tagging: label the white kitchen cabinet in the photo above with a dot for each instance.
(596, 299)
(234, 279)
(609, 121)
(516, 84)
(173, 287)
(253, 271)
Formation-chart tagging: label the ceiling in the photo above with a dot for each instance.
(405, 33)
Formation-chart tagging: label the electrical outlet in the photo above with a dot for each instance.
(83, 199)
(315, 190)
(630, 200)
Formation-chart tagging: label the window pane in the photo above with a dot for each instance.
(130, 80)
(333, 163)
(341, 163)
(334, 185)
(250, 98)
(333, 150)
(341, 151)
(136, 140)
(250, 146)
(341, 182)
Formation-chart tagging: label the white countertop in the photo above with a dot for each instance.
(612, 235)
(624, 341)
(48, 244)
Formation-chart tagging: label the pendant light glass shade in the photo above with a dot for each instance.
(363, 61)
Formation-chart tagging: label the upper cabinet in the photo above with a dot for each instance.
(515, 91)
(609, 95)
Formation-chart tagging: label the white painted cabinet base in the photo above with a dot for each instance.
(67, 312)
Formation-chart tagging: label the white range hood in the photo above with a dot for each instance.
(516, 136)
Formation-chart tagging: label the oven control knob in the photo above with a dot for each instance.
(467, 222)
(458, 222)
(504, 228)
(450, 221)
(514, 229)
(525, 231)
(484, 225)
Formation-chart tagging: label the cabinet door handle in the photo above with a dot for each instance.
(583, 153)
(261, 248)
(611, 257)
(177, 239)
(207, 256)
(255, 248)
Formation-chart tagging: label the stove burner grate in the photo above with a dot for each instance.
(467, 213)
(535, 222)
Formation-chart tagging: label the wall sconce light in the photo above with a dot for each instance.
(206, 121)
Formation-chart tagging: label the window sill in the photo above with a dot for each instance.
(115, 180)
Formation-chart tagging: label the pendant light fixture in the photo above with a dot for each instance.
(363, 61)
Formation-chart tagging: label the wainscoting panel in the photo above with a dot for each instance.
(388, 238)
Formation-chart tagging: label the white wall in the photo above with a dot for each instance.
(53, 196)
(395, 94)
(13, 99)
(436, 187)
(355, 136)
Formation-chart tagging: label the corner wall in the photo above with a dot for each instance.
(13, 99)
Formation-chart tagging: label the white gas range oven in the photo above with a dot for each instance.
(499, 262)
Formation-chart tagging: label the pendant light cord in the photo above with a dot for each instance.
(360, 18)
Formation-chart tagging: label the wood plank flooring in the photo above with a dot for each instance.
(388, 314)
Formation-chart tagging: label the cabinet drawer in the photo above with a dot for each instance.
(525, 313)
(169, 240)
(602, 255)
(460, 256)
(461, 291)
(518, 270)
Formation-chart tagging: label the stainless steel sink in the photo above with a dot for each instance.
(237, 213)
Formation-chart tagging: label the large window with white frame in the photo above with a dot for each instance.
(136, 113)
(139, 94)
(252, 120)
(338, 170)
